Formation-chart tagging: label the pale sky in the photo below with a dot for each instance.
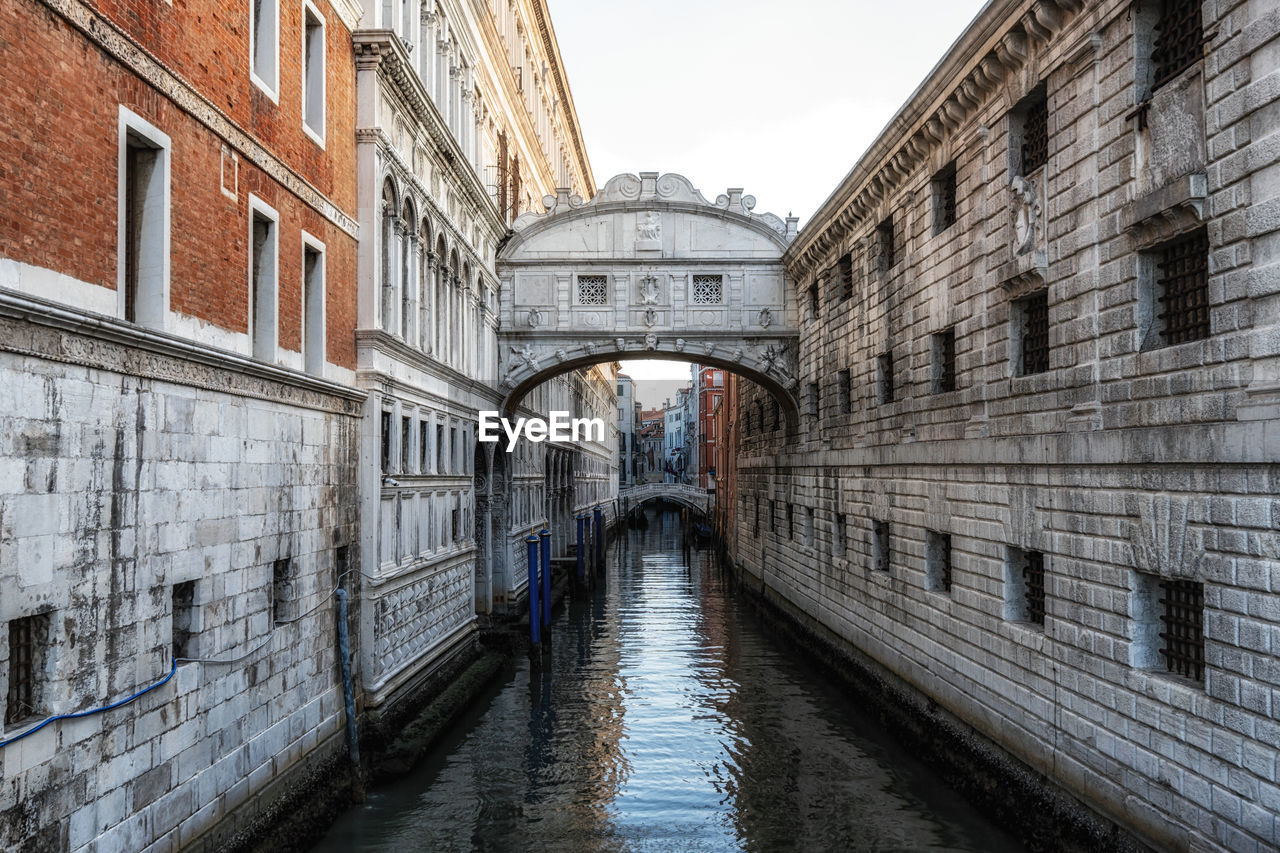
(777, 98)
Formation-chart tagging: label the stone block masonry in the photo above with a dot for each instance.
(145, 518)
(1104, 463)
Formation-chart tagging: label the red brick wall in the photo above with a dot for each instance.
(58, 175)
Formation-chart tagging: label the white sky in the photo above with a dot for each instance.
(777, 98)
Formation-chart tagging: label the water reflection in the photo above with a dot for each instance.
(667, 720)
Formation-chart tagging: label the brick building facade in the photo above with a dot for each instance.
(1034, 479)
(177, 290)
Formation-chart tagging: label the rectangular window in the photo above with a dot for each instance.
(1182, 621)
(593, 290)
(791, 522)
(880, 545)
(938, 561)
(1031, 129)
(281, 589)
(1031, 334)
(313, 301)
(837, 535)
(844, 276)
(813, 301)
(844, 385)
(440, 469)
(313, 65)
(455, 530)
(942, 352)
(755, 522)
(264, 46)
(1168, 630)
(406, 443)
(1024, 582)
(884, 377)
(386, 442)
(454, 467)
(1181, 284)
(885, 239)
(944, 198)
(773, 514)
(143, 215)
(262, 280)
(815, 400)
(708, 289)
(1179, 41)
(424, 450)
(28, 641)
(184, 626)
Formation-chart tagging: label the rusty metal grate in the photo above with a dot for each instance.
(944, 211)
(20, 703)
(1035, 333)
(1033, 575)
(1179, 39)
(1035, 132)
(844, 276)
(1184, 289)
(1183, 622)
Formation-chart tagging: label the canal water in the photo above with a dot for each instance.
(668, 719)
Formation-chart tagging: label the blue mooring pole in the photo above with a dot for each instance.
(582, 544)
(598, 515)
(535, 622)
(546, 579)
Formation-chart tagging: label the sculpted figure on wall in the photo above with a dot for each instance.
(1026, 211)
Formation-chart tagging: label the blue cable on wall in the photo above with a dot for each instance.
(91, 712)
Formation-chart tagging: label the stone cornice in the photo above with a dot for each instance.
(976, 66)
(42, 329)
(552, 48)
(348, 11)
(383, 50)
(117, 44)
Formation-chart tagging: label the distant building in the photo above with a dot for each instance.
(629, 454)
(709, 385)
(652, 444)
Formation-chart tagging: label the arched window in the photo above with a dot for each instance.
(388, 255)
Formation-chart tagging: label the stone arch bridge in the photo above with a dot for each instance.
(648, 268)
(693, 497)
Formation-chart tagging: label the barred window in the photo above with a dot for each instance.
(1035, 130)
(844, 276)
(885, 239)
(1179, 39)
(593, 289)
(28, 639)
(1032, 316)
(1183, 289)
(944, 198)
(708, 289)
(880, 545)
(813, 300)
(845, 387)
(837, 535)
(943, 353)
(183, 626)
(938, 561)
(884, 377)
(1024, 584)
(1182, 627)
(815, 399)
(791, 518)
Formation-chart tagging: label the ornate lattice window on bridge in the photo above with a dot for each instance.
(592, 289)
(708, 289)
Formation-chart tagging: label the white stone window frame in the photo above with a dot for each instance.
(270, 85)
(314, 85)
(693, 288)
(314, 315)
(591, 278)
(155, 293)
(268, 349)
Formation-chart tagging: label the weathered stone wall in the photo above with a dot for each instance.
(1124, 462)
(129, 469)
